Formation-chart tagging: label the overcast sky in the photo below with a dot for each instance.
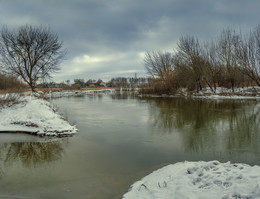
(108, 38)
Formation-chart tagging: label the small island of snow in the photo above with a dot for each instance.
(35, 116)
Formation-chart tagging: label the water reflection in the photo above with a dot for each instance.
(123, 138)
(195, 113)
(95, 96)
(31, 154)
(208, 124)
(244, 128)
(124, 95)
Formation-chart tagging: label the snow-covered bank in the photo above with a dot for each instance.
(39, 117)
(199, 180)
(36, 116)
(219, 93)
(67, 93)
(225, 93)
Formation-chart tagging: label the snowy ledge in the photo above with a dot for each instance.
(199, 180)
(34, 116)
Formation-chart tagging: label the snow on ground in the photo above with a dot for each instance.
(220, 93)
(199, 180)
(38, 116)
(34, 115)
(68, 93)
(225, 93)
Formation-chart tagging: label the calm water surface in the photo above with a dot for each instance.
(123, 138)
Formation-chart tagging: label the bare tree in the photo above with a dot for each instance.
(248, 55)
(161, 65)
(30, 52)
(229, 42)
(190, 62)
(212, 71)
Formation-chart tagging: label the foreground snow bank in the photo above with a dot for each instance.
(196, 180)
(35, 116)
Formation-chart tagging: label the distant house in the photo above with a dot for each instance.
(49, 85)
(80, 82)
(100, 83)
(91, 83)
(127, 82)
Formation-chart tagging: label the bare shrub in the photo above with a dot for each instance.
(162, 69)
(73, 87)
(10, 83)
(159, 87)
(9, 99)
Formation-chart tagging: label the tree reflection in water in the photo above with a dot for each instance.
(31, 154)
(207, 124)
(244, 128)
(124, 95)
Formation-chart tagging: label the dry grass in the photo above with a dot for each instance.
(13, 90)
(50, 89)
(97, 88)
(9, 99)
(28, 124)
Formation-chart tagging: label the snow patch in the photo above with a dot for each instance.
(199, 180)
(36, 116)
(55, 94)
(225, 93)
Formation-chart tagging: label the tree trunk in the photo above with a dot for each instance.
(32, 86)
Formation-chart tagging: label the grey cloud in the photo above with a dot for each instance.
(106, 28)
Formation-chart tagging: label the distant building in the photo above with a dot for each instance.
(127, 82)
(80, 82)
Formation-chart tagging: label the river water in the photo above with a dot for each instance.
(121, 139)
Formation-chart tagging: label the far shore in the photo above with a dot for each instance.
(53, 89)
(220, 93)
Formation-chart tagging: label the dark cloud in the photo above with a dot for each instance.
(108, 37)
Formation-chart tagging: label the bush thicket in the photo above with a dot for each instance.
(232, 60)
(11, 83)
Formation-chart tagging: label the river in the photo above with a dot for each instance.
(121, 139)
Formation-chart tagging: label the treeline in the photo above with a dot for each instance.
(10, 82)
(231, 60)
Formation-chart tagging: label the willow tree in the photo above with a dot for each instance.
(30, 52)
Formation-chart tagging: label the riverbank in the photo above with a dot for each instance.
(30, 113)
(34, 115)
(199, 180)
(68, 93)
(219, 93)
